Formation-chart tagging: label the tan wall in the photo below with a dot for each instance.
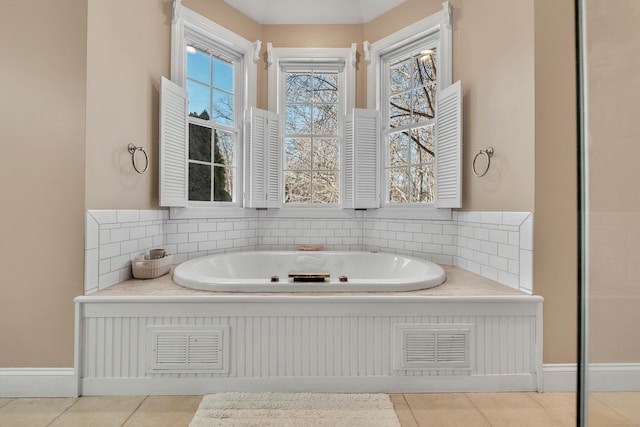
(555, 220)
(613, 60)
(128, 50)
(42, 132)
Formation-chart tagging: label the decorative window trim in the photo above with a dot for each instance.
(189, 24)
(277, 56)
(438, 23)
(276, 60)
(185, 19)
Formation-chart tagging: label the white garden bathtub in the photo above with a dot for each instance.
(347, 271)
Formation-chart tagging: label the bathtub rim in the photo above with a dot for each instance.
(438, 278)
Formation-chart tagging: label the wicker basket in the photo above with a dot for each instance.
(151, 268)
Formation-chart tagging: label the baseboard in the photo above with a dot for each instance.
(38, 382)
(600, 377)
(559, 377)
(374, 384)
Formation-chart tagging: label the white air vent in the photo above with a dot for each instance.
(173, 349)
(420, 346)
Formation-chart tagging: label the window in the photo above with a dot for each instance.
(311, 90)
(409, 113)
(213, 124)
(409, 82)
(213, 81)
(311, 138)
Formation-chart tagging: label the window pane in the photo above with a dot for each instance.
(199, 66)
(199, 143)
(425, 67)
(199, 182)
(222, 184)
(222, 75)
(422, 145)
(298, 119)
(325, 119)
(298, 87)
(222, 108)
(325, 187)
(399, 185)
(400, 76)
(423, 104)
(400, 110)
(399, 149)
(326, 154)
(325, 87)
(223, 148)
(422, 184)
(199, 100)
(297, 187)
(297, 153)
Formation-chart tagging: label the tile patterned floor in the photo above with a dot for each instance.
(414, 410)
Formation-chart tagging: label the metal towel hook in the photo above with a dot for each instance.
(489, 153)
(132, 149)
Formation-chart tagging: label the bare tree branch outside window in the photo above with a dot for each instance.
(311, 137)
(411, 95)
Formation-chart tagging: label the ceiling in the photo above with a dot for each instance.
(313, 11)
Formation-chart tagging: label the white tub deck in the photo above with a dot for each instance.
(157, 337)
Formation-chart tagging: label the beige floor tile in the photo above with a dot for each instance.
(403, 411)
(99, 411)
(33, 412)
(4, 401)
(626, 404)
(165, 411)
(512, 409)
(445, 410)
(561, 406)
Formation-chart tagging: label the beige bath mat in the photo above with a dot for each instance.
(295, 409)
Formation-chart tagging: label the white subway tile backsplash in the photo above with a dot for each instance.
(127, 216)
(497, 245)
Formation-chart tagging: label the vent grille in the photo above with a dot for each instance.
(432, 347)
(179, 350)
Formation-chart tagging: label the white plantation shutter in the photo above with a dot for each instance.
(449, 147)
(361, 159)
(263, 159)
(173, 144)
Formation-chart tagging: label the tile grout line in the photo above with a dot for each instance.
(134, 411)
(77, 399)
(466, 395)
(410, 410)
(592, 396)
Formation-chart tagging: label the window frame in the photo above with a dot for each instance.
(439, 25)
(189, 25)
(277, 60)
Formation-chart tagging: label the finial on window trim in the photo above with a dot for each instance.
(446, 6)
(354, 53)
(269, 53)
(367, 51)
(177, 4)
(257, 45)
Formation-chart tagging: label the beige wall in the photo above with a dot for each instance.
(555, 220)
(127, 52)
(613, 60)
(42, 132)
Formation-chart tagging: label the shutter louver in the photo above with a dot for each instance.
(263, 159)
(361, 160)
(173, 144)
(449, 148)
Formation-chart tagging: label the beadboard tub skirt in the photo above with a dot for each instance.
(288, 343)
